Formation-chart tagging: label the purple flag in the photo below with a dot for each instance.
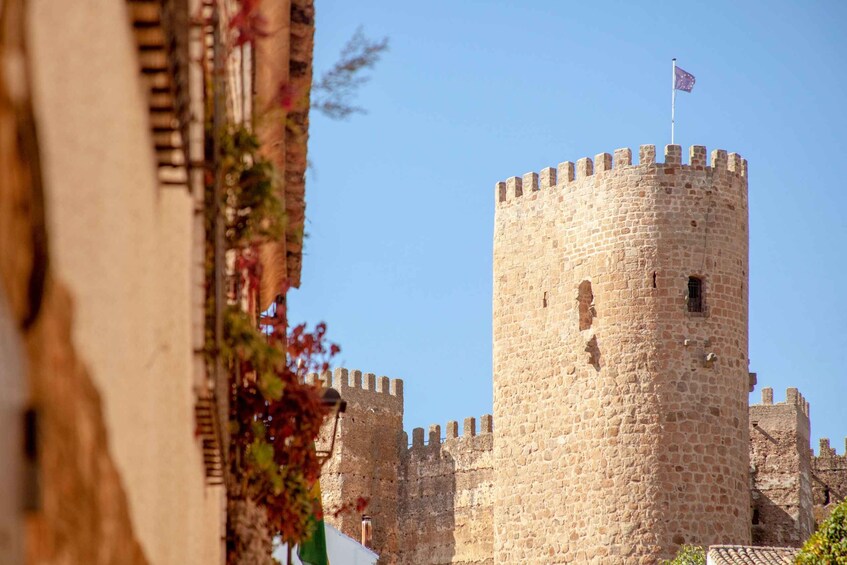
(684, 80)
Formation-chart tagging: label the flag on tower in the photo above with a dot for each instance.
(683, 80)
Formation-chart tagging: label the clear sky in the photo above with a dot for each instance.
(400, 201)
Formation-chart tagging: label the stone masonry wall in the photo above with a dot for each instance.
(429, 503)
(446, 512)
(366, 459)
(780, 470)
(829, 479)
(619, 436)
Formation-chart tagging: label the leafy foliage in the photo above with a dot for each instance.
(828, 545)
(688, 555)
(332, 93)
(254, 211)
(275, 416)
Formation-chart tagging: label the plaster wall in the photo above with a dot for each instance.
(122, 246)
(12, 403)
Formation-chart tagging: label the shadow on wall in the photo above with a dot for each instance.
(771, 525)
(428, 502)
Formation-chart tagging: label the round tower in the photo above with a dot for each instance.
(620, 358)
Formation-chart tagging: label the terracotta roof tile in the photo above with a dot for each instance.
(746, 555)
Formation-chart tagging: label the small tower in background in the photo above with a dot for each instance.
(780, 466)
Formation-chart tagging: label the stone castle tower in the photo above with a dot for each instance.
(621, 425)
(620, 358)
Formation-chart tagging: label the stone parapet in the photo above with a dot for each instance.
(604, 163)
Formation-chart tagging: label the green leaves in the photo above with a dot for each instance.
(688, 555)
(828, 545)
(253, 187)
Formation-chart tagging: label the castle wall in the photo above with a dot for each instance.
(446, 513)
(618, 440)
(829, 479)
(366, 460)
(780, 470)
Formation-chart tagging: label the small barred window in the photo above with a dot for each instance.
(695, 294)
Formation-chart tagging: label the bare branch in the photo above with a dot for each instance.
(332, 95)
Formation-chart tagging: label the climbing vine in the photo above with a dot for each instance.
(275, 416)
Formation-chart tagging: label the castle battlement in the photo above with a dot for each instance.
(452, 436)
(792, 398)
(352, 381)
(566, 173)
(827, 452)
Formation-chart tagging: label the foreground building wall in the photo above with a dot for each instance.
(122, 474)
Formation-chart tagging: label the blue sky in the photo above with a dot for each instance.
(400, 200)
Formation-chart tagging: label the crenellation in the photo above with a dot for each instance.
(514, 188)
(529, 182)
(417, 437)
(500, 192)
(452, 431)
(356, 378)
(469, 427)
(396, 388)
(697, 156)
(719, 160)
(584, 168)
(352, 382)
(825, 449)
(566, 172)
(339, 380)
(369, 381)
(547, 177)
(767, 395)
(647, 155)
(673, 155)
(602, 162)
(734, 163)
(434, 435)
(486, 424)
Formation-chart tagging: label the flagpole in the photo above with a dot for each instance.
(673, 96)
